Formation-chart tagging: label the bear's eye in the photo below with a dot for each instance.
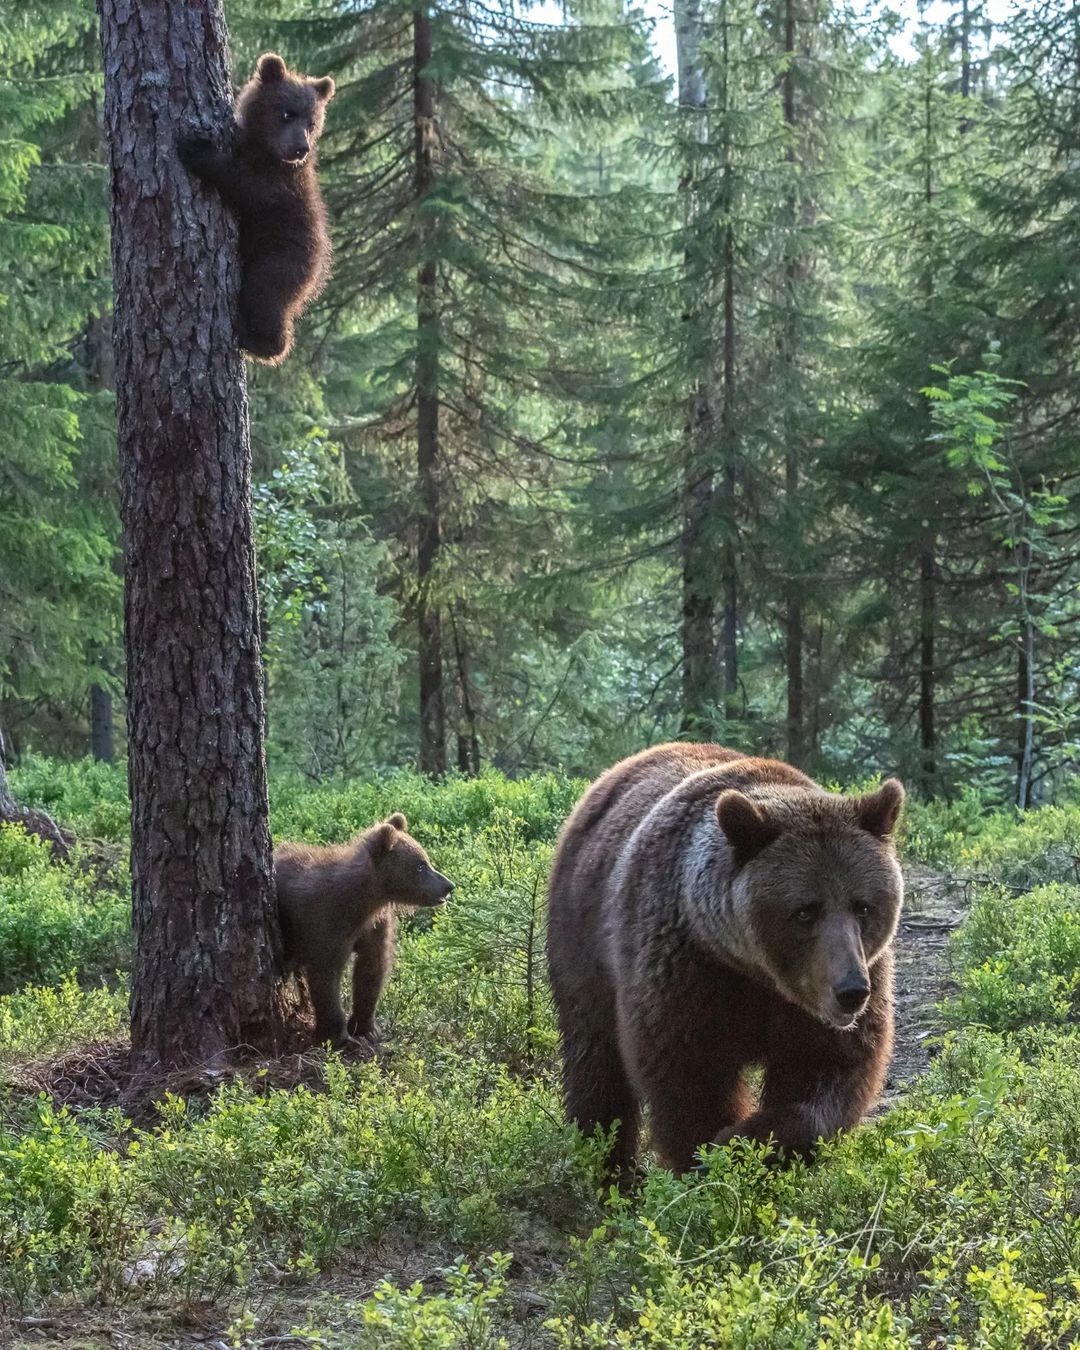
(861, 909)
(807, 914)
(287, 116)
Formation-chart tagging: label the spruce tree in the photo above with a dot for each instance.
(463, 258)
(58, 593)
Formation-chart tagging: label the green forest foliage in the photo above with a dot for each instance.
(675, 353)
(948, 1219)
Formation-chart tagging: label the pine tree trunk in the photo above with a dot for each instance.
(729, 580)
(927, 674)
(794, 275)
(699, 654)
(796, 750)
(206, 936)
(468, 739)
(699, 661)
(1026, 673)
(727, 519)
(101, 724)
(428, 617)
(965, 63)
(1024, 694)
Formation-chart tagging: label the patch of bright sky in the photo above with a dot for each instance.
(911, 12)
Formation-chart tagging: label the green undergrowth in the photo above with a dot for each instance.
(91, 798)
(437, 1199)
(55, 918)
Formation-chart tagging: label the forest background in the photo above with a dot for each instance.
(747, 397)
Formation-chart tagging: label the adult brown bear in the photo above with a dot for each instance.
(708, 911)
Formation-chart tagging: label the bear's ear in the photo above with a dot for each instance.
(398, 821)
(271, 68)
(381, 840)
(746, 827)
(324, 88)
(879, 811)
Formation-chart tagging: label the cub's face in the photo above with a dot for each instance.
(282, 112)
(822, 899)
(403, 870)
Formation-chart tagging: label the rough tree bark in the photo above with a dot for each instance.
(207, 941)
(468, 738)
(699, 654)
(928, 768)
(728, 505)
(101, 724)
(795, 276)
(928, 667)
(428, 617)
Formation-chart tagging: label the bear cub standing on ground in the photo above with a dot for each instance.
(268, 178)
(707, 912)
(338, 902)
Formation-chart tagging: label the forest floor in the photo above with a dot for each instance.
(936, 904)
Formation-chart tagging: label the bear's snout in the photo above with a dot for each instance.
(852, 992)
(442, 888)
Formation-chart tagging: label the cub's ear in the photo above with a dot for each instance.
(398, 821)
(324, 88)
(879, 811)
(747, 828)
(271, 68)
(381, 840)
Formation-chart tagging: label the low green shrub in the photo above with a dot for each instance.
(285, 1179)
(1017, 958)
(951, 1220)
(91, 799)
(451, 810)
(86, 795)
(55, 917)
(46, 1020)
(936, 832)
(1029, 849)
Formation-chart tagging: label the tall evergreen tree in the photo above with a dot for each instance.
(207, 945)
(466, 259)
(57, 589)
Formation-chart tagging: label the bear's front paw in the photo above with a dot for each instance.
(194, 148)
(369, 1031)
(358, 1049)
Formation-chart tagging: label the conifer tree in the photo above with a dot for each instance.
(57, 518)
(464, 259)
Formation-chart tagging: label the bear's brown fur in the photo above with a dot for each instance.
(267, 176)
(709, 911)
(338, 902)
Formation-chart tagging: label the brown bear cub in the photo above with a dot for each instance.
(337, 903)
(267, 176)
(707, 912)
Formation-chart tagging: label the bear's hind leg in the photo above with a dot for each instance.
(324, 986)
(599, 1094)
(372, 960)
(264, 320)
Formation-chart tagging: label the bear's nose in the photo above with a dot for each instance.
(851, 993)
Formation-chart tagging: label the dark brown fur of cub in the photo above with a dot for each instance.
(337, 903)
(267, 176)
(707, 912)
